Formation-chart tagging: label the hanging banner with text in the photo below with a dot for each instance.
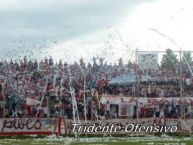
(29, 126)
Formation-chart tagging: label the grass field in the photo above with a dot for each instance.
(98, 141)
(34, 142)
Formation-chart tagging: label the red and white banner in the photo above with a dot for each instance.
(144, 101)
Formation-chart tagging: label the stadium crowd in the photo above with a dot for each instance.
(49, 83)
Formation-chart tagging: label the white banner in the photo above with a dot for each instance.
(31, 101)
(148, 61)
(143, 101)
(28, 125)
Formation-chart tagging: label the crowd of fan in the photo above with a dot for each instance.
(54, 83)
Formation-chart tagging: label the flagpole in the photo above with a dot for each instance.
(85, 102)
(180, 83)
(48, 107)
(42, 96)
(74, 103)
(84, 95)
(136, 88)
(3, 100)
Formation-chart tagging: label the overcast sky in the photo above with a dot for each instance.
(70, 29)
